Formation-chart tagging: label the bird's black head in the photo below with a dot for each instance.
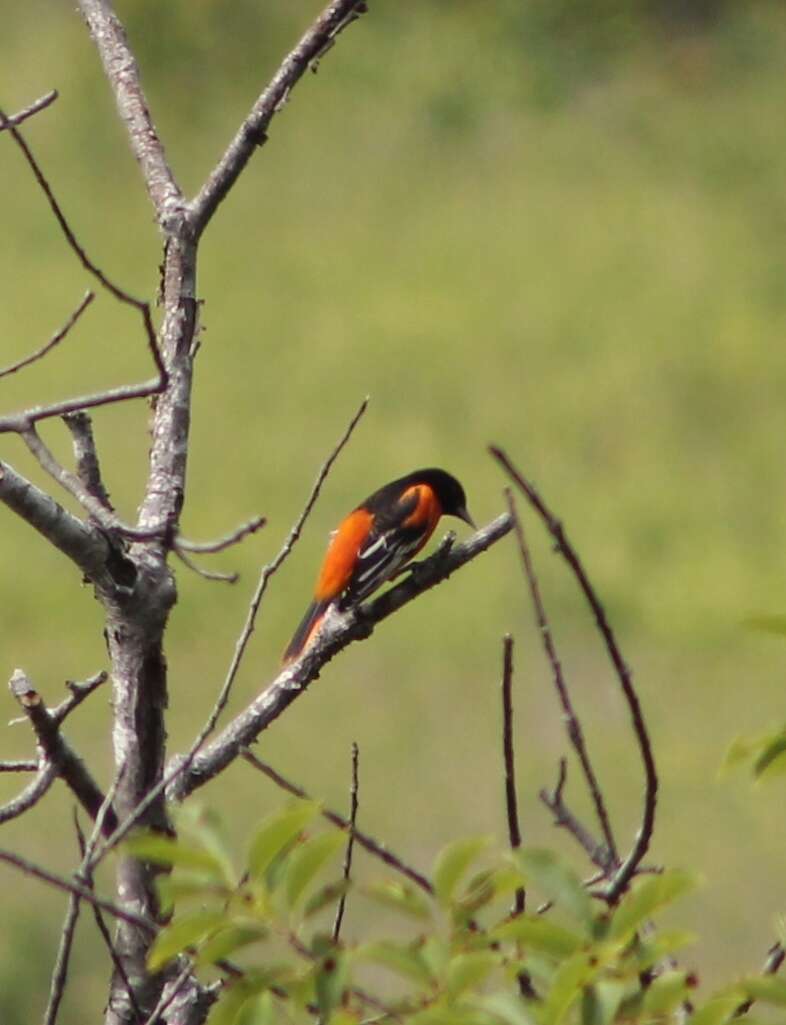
(449, 492)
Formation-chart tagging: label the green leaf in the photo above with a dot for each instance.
(452, 862)
(557, 881)
(258, 1010)
(601, 1002)
(276, 833)
(403, 960)
(330, 893)
(469, 971)
(665, 993)
(771, 757)
(307, 859)
(164, 850)
(646, 898)
(655, 948)
(330, 982)
(767, 988)
(185, 931)
(401, 897)
(242, 997)
(227, 940)
(540, 934)
(506, 1008)
(184, 885)
(569, 980)
(203, 827)
(718, 1010)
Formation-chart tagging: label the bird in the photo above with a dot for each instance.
(376, 541)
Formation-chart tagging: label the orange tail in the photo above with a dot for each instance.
(315, 613)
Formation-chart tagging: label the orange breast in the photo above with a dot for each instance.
(342, 554)
(427, 512)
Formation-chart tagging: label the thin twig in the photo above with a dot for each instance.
(340, 629)
(93, 506)
(206, 574)
(252, 132)
(641, 844)
(37, 105)
(69, 767)
(22, 765)
(353, 814)
(60, 972)
(182, 764)
(511, 801)
(365, 841)
(88, 468)
(626, 870)
(68, 886)
(572, 722)
(56, 338)
(79, 690)
(565, 819)
(31, 794)
(119, 293)
(169, 992)
(221, 543)
(105, 934)
(772, 964)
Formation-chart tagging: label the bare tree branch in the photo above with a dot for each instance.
(122, 73)
(252, 133)
(56, 338)
(221, 543)
(120, 294)
(68, 886)
(378, 850)
(339, 630)
(206, 574)
(627, 869)
(353, 815)
(31, 794)
(37, 105)
(102, 926)
(60, 972)
(79, 691)
(511, 801)
(23, 765)
(572, 721)
(70, 768)
(83, 545)
(565, 819)
(93, 506)
(88, 468)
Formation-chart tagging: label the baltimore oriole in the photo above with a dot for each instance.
(377, 540)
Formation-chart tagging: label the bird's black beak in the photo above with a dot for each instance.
(463, 514)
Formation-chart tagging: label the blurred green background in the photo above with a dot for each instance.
(555, 226)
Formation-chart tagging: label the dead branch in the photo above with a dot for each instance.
(88, 468)
(378, 850)
(69, 767)
(627, 869)
(206, 574)
(353, 815)
(31, 794)
(511, 801)
(56, 338)
(122, 74)
(221, 543)
(37, 105)
(79, 691)
(252, 132)
(565, 819)
(84, 546)
(68, 886)
(572, 721)
(120, 294)
(20, 765)
(339, 630)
